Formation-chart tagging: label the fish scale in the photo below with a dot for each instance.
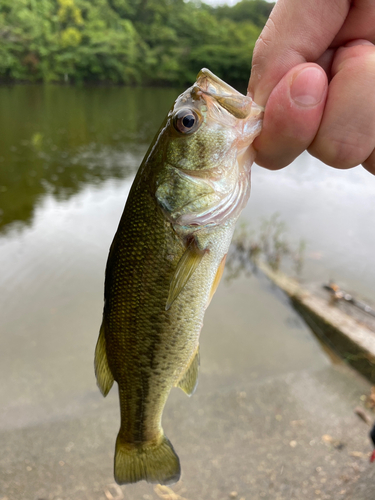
(165, 263)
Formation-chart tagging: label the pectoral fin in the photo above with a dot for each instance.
(219, 274)
(189, 381)
(104, 377)
(184, 271)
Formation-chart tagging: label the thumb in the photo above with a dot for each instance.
(292, 116)
(296, 32)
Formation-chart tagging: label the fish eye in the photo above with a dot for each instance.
(186, 121)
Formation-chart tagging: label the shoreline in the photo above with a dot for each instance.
(353, 340)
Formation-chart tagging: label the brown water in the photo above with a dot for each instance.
(67, 159)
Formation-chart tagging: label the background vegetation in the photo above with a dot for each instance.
(126, 41)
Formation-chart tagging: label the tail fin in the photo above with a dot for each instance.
(155, 463)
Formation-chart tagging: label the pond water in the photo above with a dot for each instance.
(67, 160)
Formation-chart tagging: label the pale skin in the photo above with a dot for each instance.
(314, 71)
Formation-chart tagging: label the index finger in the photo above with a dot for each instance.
(297, 31)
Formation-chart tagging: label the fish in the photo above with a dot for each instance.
(165, 263)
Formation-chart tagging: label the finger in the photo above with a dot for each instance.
(297, 31)
(359, 22)
(346, 136)
(325, 61)
(369, 164)
(292, 116)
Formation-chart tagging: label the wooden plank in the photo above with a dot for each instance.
(352, 340)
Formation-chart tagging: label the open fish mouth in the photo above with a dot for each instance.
(234, 120)
(234, 102)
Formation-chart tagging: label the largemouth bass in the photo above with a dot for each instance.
(165, 263)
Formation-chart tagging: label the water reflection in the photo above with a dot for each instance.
(262, 371)
(270, 242)
(56, 140)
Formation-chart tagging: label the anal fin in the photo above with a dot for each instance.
(184, 271)
(104, 377)
(189, 381)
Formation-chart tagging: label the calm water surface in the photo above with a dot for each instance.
(67, 160)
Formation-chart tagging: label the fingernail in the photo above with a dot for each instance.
(308, 87)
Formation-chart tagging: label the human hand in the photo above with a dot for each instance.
(314, 69)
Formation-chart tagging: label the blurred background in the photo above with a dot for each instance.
(148, 42)
(85, 87)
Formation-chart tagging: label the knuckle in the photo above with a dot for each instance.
(266, 41)
(260, 53)
(357, 59)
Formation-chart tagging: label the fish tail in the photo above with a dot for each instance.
(153, 462)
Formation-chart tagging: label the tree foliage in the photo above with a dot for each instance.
(126, 41)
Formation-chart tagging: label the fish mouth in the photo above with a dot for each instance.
(234, 102)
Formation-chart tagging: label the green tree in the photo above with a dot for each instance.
(126, 41)
(256, 11)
